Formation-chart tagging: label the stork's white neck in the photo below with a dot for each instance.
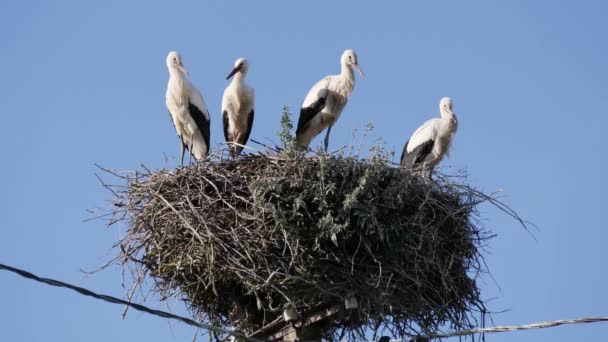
(347, 79)
(239, 79)
(447, 115)
(175, 72)
(179, 85)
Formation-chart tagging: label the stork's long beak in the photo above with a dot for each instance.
(234, 71)
(358, 68)
(183, 69)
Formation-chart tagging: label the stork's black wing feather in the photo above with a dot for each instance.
(417, 155)
(245, 138)
(202, 122)
(308, 113)
(404, 153)
(226, 124)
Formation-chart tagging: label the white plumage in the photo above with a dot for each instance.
(326, 100)
(237, 107)
(431, 141)
(188, 110)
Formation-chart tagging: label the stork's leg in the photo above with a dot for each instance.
(327, 138)
(190, 149)
(183, 151)
(234, 148)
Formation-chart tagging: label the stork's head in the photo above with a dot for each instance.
(445, 103)
(174, 62)
(445, 109)
(240, 66)
(349, 57)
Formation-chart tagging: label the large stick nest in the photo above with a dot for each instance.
(241, 240)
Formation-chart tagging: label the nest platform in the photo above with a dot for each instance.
(242, 240)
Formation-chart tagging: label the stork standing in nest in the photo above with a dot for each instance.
(431, 141)
(187, 109)
(326, 100)
(237, 108)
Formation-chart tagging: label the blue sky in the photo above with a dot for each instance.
(84, 83)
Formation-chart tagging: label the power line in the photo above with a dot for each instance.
(505, 328)
(164, 314)
(115, 300)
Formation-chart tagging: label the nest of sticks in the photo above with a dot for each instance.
(242, 240)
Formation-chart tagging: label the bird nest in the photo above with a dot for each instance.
(242, 240)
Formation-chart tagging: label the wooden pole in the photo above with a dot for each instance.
(309, 328)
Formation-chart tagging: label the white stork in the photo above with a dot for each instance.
(431, 141)
(187, 109)
(237, 108)
(326, 100)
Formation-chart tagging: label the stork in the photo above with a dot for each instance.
(187, 110)
(237, 108)
(326, 100)
(431, 141)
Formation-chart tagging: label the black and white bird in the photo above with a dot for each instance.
(188, 110)
(237, 108)
(326, 100)
(431, 141)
